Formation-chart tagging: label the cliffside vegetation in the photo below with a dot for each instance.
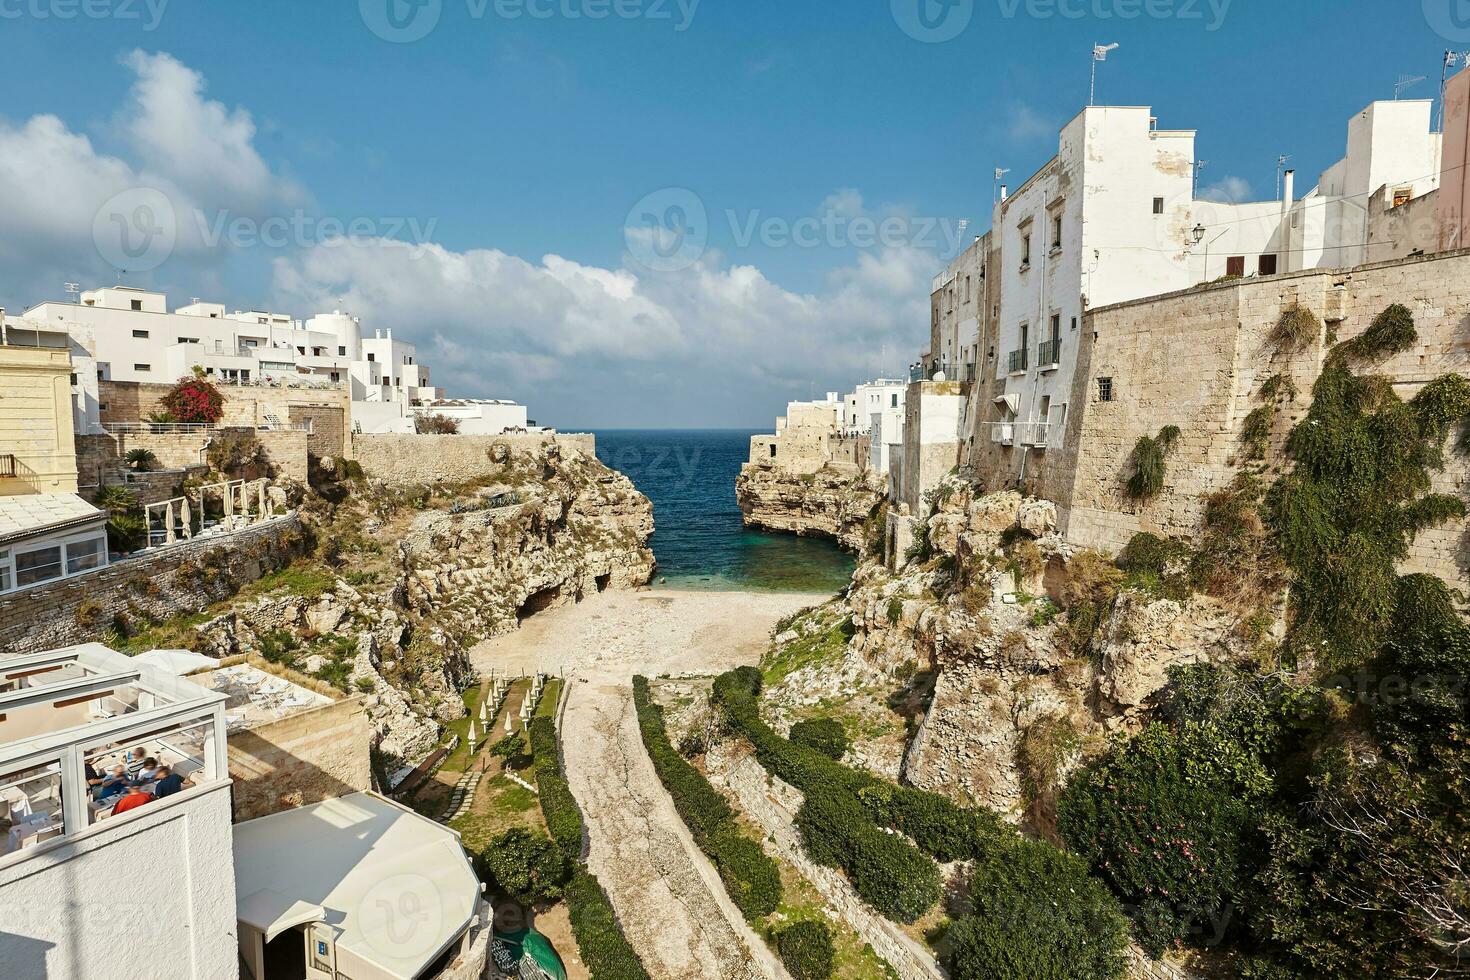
(1306, 813)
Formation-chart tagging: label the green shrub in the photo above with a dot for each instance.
(1088, 596)
(1390, 332)
(604, 949)
(524, 865)
(1357, 497)
(826, 735)
(750, 876)
(1296, 330)
(806, 950)
(1036, 915)
(1156, 565)
(1148, 463)
(558, 806)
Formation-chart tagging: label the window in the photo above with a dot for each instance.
(1158, 205)
(37, 566)
(1402, 196)
(1056, 233)
(83, 555)
(341, 351)
(336, 376)
(301, 351)
(140, 334)
(188, 340)
(773, 450)
(895, 401)
(1267, 265)
(143, 367)
(1235, 265)
(1025, 251)
(1074, 323)
(138, 308)
(73, 379)
(372, 357)
(1104, 389)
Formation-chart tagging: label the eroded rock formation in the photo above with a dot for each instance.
(835, 502)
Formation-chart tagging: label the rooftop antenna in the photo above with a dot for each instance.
(1000, 175)
(1404, 83)
(1451, 58)
(1281, 163)
(1198, 166)
(1099, 53)
(74, 290)
(960, 234)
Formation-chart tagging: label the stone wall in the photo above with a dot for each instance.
(772, 805)
(81, 608)
(329, 410)
(317, 754)
(1197, 359)
(411, 460)
(103, 453)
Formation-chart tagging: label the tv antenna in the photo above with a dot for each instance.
(1198, 166)
(1451, 58)
(1405, 83)
(74, 290)
(1281, 163)
(1000, 175)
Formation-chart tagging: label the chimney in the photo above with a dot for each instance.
(1005, 192)
(1288, 189)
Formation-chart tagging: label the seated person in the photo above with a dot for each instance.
(95, 777)
(115, 783)
(148, 773)
(136, 797)
(136, 760)
(169, 783)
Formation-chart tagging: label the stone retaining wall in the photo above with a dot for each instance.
(411, 460)
(320, 753)
(772, 804)
(82, 608)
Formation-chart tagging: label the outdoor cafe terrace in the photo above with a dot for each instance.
(67, 712)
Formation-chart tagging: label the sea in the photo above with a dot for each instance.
(699, 539)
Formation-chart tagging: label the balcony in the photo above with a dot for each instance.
(1036, 435)
(1018, 361)
(1049, 354)
(7, 466)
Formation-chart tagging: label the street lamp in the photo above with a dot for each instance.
(1199, 233)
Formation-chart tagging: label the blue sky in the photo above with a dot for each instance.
(505, 140)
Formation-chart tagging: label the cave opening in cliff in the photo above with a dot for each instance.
(603, 581)
(539, 602)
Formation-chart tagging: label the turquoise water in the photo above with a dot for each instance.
(700, 541)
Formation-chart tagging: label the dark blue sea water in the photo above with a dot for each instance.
(700, 541)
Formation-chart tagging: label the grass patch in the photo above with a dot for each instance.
(825, 645)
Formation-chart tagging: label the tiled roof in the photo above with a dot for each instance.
(28, 513)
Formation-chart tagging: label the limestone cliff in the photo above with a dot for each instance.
(960, 671)
(414, 578)
(835, 502)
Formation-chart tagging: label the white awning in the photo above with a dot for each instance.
(1011, 402)
(176, 662)
(371, 866)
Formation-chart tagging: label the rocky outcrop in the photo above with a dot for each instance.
(555, 529)
(835, 502)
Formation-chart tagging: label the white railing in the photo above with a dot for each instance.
(186, 428)
(1035, 435)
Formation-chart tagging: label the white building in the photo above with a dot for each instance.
(126, 334)
(92, 893)
(875, 410)
(1114, 217)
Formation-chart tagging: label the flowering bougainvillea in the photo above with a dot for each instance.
(194, 400)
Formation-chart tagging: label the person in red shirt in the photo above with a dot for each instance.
(136, 797)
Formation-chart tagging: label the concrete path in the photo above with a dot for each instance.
(667, 895)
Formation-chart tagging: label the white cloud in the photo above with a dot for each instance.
(1227, 190)
(53, 180)
(845, 202)
(1024, 124)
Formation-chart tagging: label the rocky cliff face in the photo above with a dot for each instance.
(967, 647)
(546, 529)
(835, 502)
